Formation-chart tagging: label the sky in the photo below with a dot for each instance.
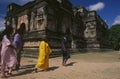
(109, 10)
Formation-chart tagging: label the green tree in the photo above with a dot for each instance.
(114, 36)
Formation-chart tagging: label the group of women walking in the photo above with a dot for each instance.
(10, 49)
(10, 54)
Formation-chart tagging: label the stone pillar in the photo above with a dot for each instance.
(32, 21)
(73, 44)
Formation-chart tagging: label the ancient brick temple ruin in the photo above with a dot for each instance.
(53, 18)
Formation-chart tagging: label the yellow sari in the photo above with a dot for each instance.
(43, 58)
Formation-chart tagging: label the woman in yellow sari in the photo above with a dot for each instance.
(43, 58)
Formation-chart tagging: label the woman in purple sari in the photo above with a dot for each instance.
(18, 43)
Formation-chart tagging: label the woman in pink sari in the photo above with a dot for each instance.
(8, 54)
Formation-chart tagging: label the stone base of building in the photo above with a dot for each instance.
(95, 50)
(33, 52)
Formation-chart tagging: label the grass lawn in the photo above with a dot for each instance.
(93, 65)
(98, 56)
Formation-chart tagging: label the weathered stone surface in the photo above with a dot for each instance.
(53, 18)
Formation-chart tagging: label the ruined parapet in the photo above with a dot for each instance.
(49, 18)
(52, 19)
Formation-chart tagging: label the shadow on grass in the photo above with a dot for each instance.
(24, 72)
(28, 69)
(28, 66)
(52, 68)
(70, 64)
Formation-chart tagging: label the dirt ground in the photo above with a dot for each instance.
(75, 69)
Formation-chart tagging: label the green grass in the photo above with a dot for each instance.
(93, 57)
(98, 56)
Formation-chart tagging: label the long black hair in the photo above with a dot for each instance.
(21, 29)
(8, 30)
(1, 36)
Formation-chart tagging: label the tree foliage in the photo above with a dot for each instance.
(114, 36)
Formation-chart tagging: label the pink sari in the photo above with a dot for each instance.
(8, 55)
